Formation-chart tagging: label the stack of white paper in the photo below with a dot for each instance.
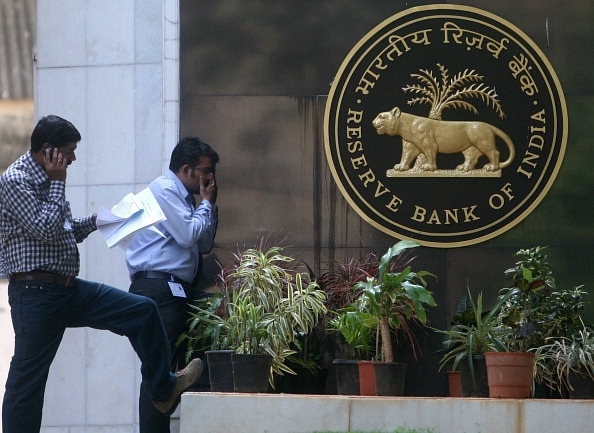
(132, 213)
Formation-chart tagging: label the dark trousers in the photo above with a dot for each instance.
(41, 312)
(174, 313)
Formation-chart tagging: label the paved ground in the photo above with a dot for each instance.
(6, 338)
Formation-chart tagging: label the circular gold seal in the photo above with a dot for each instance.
(445, 124)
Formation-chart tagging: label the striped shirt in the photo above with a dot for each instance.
(37, 231)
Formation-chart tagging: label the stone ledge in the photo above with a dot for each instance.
(208, 412)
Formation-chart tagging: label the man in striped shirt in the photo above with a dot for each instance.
(39, 255)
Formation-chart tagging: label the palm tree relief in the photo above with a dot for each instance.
(423, 138)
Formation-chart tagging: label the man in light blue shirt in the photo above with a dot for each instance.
(163, 263)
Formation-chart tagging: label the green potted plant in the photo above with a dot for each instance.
(522, 319)
(389, 301)
(473, 332)
(527, 303)
(358, 331)
(533, 311)
(349, 336)
(205, 335)
(265, 306)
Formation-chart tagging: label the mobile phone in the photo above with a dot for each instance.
(50, 152)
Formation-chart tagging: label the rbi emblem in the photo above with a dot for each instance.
(445, 124)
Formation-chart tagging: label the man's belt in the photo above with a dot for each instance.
(159, 276)
(44, 277)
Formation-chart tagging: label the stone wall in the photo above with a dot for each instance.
(16, 122)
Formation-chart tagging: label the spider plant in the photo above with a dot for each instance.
(476, 338)
(562, 360)
(467, 339)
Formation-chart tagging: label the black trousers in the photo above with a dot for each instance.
(41, 312)
(174, 314)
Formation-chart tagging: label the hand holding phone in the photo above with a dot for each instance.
(50, 152)
(54, 163)
(208, 189)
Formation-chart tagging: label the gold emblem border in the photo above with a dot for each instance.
(562, 107)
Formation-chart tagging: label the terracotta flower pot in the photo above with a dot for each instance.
(510, 374)
(455, 383)
(367, 378)
(381, 378)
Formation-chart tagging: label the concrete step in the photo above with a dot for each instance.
(207, 412)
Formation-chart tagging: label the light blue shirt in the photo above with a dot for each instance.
(188, 232)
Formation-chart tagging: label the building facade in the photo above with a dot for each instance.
(251, 78)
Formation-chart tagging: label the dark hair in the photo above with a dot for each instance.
(54, 130)
(188, 151)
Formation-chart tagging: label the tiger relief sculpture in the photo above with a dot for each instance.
(428, 137)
